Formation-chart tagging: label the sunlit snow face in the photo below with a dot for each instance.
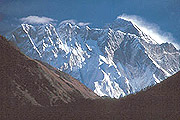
(150, 29)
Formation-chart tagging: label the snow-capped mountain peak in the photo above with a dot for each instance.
(116, 61)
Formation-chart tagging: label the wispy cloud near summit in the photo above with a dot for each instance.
(37, 20)
(83, 24)
(150, 29)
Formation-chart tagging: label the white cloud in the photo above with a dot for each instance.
(37, 20)
(150, 29)
(83, 24)
(73, 22)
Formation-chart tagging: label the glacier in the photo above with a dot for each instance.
(114, 61)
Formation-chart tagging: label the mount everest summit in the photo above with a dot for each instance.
(115, 61)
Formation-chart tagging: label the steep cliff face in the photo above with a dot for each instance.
(24, 81)
(115, 61)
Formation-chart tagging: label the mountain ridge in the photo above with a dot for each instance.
(25, 81)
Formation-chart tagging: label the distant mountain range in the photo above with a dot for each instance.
(115, 61)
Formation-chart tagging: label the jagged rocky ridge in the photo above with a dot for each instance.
(115, 61)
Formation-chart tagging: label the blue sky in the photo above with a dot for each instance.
(165, 14)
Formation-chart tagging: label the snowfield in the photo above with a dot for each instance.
(115, 61)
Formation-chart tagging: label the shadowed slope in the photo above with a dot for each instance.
(21, 75)
(161, 102)
(26, 81)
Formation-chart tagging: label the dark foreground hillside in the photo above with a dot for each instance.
(160, 102)
(24, 81)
